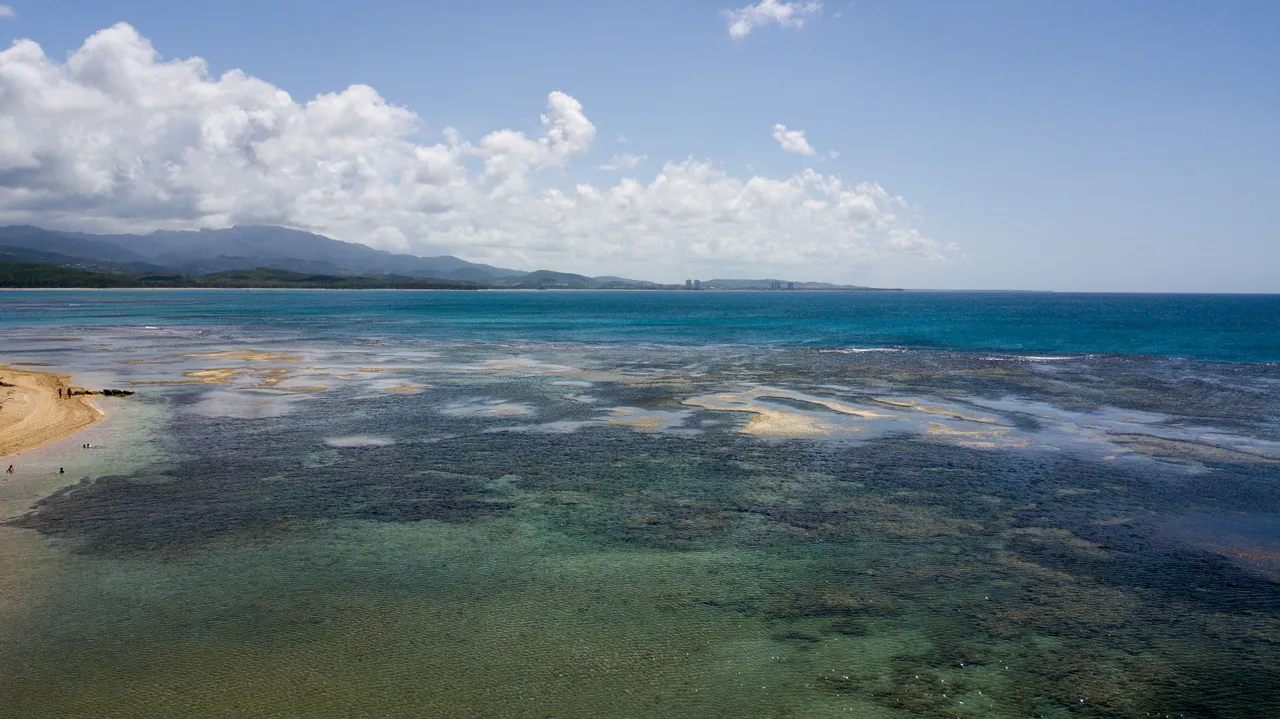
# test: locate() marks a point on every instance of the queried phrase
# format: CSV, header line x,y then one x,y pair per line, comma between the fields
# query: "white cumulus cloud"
x,y
509,154
118,139
7,12
624,161
792,141
770,12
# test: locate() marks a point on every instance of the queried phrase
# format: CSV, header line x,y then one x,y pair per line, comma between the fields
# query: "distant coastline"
x,y
24,276
153,288
264,257
32,276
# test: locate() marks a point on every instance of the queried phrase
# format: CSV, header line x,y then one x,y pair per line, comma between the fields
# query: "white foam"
x,y
1026,358
358,440
860,350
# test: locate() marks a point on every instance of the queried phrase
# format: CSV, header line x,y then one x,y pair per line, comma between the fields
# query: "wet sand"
x,y
32,415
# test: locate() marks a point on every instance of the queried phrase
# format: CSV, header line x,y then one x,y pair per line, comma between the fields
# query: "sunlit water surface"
x,y
396,521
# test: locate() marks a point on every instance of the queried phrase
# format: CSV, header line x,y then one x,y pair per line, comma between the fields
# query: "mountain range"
x,y
255,247
244,247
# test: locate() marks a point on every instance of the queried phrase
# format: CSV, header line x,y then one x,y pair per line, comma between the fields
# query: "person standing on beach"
x,y
59,393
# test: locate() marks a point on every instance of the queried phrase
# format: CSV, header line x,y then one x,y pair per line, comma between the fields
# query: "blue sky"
x,y
1084,145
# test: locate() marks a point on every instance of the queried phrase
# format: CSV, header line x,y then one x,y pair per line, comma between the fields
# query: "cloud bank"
x,y
117,139
770,12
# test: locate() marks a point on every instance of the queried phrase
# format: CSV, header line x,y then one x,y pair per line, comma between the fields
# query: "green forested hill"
x,y
24,275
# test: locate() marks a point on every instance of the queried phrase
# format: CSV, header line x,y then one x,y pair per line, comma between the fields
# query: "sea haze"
x,y
650,504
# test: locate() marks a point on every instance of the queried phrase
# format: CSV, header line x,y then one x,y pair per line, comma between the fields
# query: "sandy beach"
x,y
32,415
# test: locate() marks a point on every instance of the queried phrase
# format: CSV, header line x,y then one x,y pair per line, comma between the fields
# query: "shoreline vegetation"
x,y
32,414
23,276
265,257
27,276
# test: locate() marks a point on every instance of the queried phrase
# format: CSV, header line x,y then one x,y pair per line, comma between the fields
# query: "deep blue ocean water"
x,y
1239,328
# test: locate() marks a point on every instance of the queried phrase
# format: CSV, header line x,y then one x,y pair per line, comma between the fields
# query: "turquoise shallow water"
x,y
326,504
1243,328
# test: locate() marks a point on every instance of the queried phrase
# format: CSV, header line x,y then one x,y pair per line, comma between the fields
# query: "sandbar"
x,y
32,415
408,388
773,421
248,356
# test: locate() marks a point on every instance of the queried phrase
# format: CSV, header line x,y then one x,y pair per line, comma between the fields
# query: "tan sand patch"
x,y
830,404
933,409
248,356
978,438
772,421
626,416
272,377
217,375
269,377
409,388
648,424
768,421
31,413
